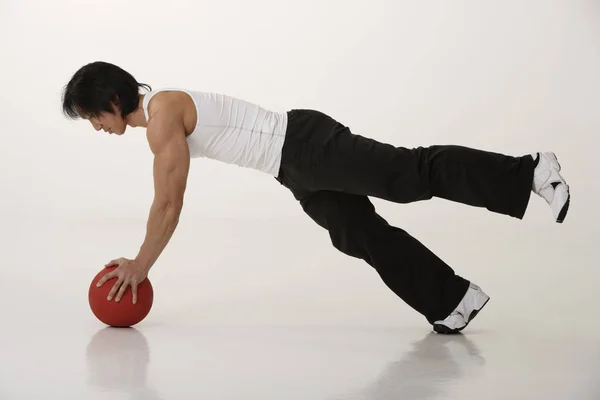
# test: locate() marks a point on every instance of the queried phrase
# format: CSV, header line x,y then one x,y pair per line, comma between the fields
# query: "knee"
x,y
351,221
348,241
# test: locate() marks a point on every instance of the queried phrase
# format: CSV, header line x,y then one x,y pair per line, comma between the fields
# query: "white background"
x,y
508,76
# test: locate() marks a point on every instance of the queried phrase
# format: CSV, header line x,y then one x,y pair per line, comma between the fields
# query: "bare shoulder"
x,y
165,106
165,120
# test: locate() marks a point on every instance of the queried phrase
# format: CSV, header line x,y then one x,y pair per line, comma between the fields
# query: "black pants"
x,y
332,171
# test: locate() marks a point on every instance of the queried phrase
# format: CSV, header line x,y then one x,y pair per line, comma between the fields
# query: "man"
x,y
328,169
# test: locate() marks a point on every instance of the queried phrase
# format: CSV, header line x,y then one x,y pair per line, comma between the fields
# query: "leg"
x,y
322,154
406,266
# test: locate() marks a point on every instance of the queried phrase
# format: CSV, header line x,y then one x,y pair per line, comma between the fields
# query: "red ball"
x,y
124,313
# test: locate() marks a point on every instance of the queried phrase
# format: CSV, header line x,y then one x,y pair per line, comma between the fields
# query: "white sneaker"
x,y
549,184
473,301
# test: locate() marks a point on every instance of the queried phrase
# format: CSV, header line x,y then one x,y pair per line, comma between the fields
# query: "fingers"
x,y
106,277
112,263
121,291
114,289
134,291
120,287
126,274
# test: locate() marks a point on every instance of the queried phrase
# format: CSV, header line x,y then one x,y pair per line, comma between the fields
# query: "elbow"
x,y
171,206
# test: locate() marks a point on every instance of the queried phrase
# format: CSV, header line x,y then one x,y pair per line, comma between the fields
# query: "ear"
x,y
116,106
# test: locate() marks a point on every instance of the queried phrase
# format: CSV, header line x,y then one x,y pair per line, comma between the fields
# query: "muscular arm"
x,y
167,141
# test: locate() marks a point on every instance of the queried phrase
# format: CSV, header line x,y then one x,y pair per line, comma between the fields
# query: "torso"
x,y
227,129
189,111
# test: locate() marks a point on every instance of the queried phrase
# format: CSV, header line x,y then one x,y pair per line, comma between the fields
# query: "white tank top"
x,y
234,131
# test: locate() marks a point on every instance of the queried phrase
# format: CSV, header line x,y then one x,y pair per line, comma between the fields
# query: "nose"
x,y
97,127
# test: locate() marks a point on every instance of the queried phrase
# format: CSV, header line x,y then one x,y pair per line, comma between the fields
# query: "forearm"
x,y
161,225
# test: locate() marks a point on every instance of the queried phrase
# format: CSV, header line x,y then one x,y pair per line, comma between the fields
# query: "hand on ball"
x,y
128,273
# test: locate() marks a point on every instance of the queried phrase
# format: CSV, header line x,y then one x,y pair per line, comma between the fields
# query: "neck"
x,y
137,118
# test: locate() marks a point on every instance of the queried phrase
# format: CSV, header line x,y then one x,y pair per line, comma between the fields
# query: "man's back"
x,y
228,129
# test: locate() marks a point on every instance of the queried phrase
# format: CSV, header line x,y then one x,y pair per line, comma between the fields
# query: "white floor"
x,y
219,362
269,310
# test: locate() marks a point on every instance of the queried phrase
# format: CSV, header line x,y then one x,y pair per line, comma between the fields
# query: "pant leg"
x,y
406,266
323,154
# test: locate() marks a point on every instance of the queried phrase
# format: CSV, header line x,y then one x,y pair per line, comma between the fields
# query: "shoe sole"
x,y
443,329
563,212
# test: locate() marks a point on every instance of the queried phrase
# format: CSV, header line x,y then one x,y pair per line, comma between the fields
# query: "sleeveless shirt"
x,y
234,131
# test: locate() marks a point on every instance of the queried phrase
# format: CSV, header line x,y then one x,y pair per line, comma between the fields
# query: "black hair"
x,y
94,86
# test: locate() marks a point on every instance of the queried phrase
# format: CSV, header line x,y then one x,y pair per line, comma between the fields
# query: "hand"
x,y
128,273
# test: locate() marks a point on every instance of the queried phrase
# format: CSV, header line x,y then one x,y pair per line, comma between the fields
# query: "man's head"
x,y
103,94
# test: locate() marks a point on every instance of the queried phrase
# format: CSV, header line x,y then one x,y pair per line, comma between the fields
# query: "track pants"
x,y
331,172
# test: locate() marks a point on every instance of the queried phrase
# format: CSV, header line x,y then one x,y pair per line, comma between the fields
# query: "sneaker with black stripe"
x,y
471,304
550,185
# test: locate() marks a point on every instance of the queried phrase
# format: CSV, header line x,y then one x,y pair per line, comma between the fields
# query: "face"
x,y
109,123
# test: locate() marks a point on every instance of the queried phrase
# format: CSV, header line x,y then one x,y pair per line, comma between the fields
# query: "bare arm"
x,y
166,137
